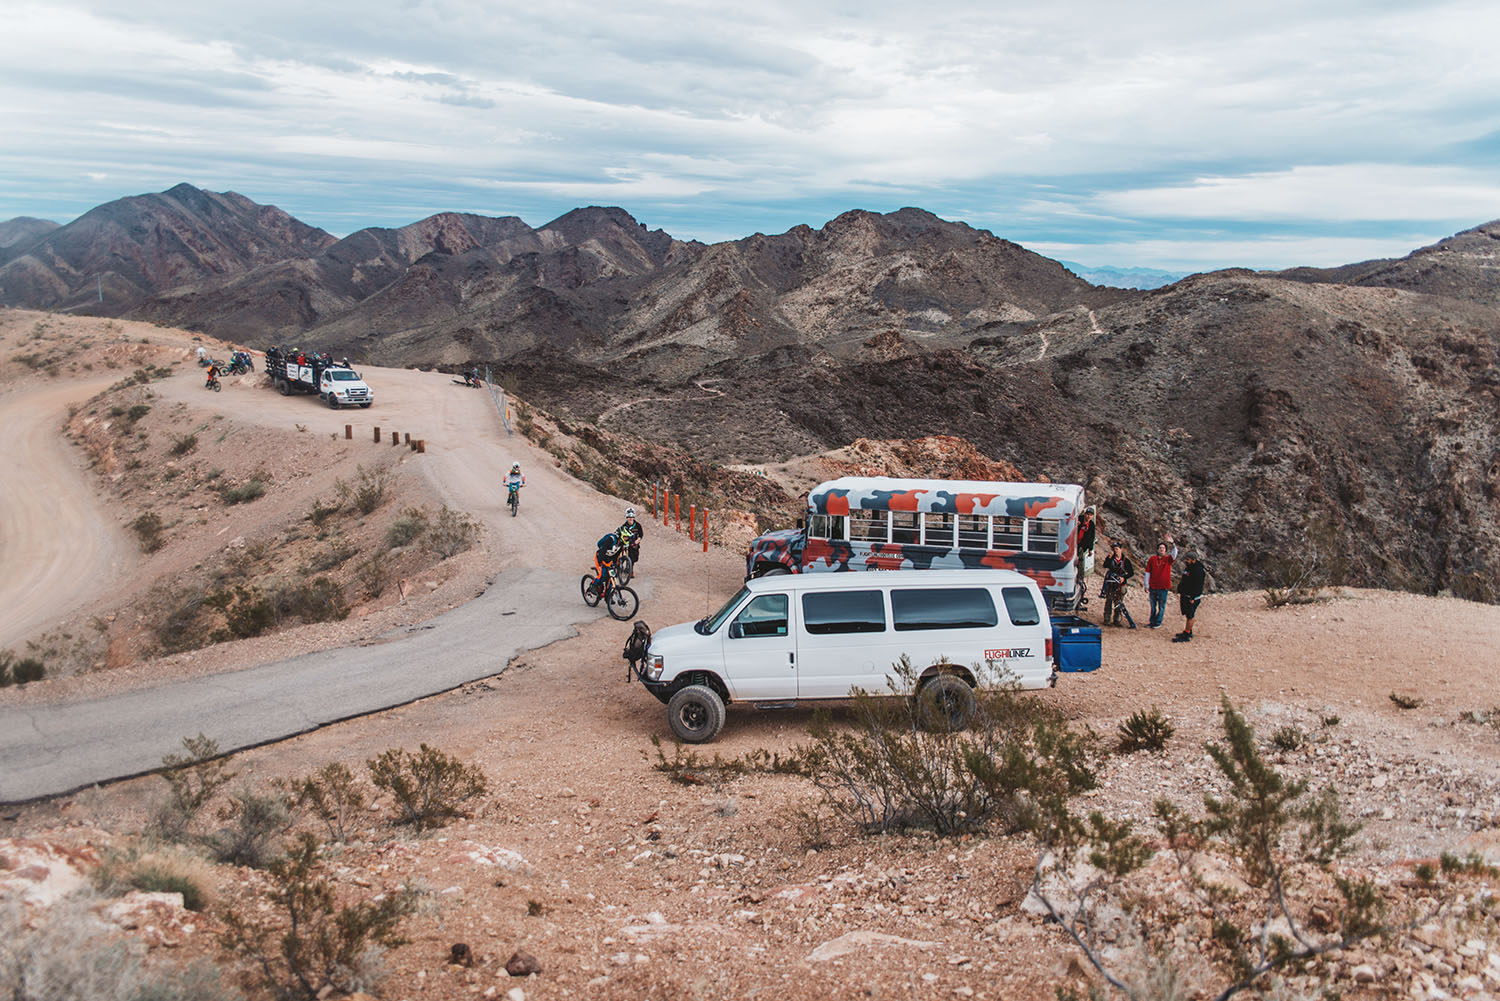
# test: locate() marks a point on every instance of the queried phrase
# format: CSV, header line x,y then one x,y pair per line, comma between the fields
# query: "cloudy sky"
x,y
1169,136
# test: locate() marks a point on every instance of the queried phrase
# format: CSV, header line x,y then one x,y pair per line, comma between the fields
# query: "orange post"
x,y
692,520
705,530
678,505
348,431
666,506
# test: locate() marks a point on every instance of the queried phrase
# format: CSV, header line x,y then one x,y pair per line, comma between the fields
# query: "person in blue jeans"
x,y
1159,582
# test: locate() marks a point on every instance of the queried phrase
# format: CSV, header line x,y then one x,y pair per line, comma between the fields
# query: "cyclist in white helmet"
x,y
630,535
514,480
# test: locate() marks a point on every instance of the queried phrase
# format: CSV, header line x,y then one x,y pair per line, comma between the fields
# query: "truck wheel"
x,y
945,704
283,387
333,402
696,714
365,405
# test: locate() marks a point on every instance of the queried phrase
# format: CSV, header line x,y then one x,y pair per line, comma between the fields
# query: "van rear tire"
x,y
774,572
695,714
945,704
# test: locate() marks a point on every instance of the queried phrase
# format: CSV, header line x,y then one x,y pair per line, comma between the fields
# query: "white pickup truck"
x,y
336,383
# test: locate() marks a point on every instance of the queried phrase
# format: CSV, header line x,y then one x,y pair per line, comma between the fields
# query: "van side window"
x,y
764,616
1020,606
828,612
904,527
973,531
868,526
937,529
1041,535
1008,533
943,608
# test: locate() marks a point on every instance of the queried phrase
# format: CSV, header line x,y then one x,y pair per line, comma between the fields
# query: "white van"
x,y
792,638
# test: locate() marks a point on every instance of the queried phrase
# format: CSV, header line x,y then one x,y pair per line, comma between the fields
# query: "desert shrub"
x,y
1405,701
256,820
148,528
1145,730
334,797
320,512
429,787
318,600
373,575
184,445
452,533
307,943
339,551
369,489
192,780
177,630
687,767
406,529
167,870
136,412
244,493
248,612
1288,738
890,772
20,670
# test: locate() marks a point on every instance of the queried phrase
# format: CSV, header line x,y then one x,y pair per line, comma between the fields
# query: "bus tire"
x,y
283,387
945,704
695,714
776,571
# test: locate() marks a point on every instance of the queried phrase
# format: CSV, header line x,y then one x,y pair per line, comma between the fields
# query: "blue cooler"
x,y
1075,643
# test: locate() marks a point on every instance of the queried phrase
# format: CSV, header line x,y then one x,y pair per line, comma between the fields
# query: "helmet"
x,y
630,512
515,467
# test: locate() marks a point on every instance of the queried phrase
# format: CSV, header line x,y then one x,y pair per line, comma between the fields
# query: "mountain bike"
x,y
619,601
514,500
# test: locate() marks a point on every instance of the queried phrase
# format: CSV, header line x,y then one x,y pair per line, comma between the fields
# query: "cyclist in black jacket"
x,y
1117,573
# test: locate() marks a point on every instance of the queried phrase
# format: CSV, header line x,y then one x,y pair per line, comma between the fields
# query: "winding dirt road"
x,y
59,549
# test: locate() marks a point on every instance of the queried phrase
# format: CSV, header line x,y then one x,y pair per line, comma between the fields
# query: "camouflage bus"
x,y
882,523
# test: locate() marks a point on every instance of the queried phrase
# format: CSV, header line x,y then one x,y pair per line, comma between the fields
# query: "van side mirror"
x,y
736,631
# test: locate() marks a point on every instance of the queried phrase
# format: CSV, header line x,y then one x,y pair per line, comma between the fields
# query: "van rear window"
x,y
1020,606
828,612
943,608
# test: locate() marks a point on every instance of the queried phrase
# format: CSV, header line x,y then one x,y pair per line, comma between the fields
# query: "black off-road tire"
x,y
283,387
590,588
623,603
776,571
695,714
333,402
945,704
365,405
626,569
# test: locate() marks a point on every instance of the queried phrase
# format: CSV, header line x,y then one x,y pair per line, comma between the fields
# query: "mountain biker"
x,y
514,481
630,535
606,555
213,375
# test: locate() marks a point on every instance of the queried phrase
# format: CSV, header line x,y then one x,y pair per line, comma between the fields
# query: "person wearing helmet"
x,y
606,555
514,481
630,534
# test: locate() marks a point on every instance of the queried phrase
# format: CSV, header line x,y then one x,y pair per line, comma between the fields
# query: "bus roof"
x,y
992,497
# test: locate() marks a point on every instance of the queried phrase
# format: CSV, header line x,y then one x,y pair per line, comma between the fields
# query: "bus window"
x,y
869,526
973,531
904,527
937,530
1041,535
1008,534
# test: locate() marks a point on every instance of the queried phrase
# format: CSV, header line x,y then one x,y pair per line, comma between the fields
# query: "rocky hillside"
x,y
134,247
1464,266
20,231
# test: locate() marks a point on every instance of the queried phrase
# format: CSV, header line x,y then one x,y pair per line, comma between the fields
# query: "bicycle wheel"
x,y
623,603
218,388
515,502
626,569
590,588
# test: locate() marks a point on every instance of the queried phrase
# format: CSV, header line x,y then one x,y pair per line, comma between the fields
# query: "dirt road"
x,y
58,548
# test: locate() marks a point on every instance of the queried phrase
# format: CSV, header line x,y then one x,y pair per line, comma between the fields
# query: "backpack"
x,y
636,647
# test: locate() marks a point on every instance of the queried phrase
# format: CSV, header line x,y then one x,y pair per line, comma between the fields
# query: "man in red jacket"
x,y
1159,583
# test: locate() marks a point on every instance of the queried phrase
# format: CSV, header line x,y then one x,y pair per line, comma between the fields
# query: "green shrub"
x,y
20,671
429,787
1288,738
369,490
318,600
406,529
257,820
138,411
148,528
184,445
1405,701
452,533
321,512
178,629
306,944
1145,730
373,575
157,877
192,780
339,551
244,493
334,797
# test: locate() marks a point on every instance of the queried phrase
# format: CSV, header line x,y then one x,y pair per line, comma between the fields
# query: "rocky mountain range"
x,y
1343,417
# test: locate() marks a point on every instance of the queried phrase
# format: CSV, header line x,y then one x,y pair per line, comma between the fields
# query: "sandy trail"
x,y
59,547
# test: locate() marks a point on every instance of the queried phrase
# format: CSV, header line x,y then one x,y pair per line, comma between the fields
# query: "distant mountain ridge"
x,y
1125,277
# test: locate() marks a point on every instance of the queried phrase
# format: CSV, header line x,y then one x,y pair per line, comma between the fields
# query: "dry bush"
x,y
1145,730
406,529
148,528
452,533
170,869
20,671
373,575
256,821
244,493
370,486
334,797
429,787
184,445
192,780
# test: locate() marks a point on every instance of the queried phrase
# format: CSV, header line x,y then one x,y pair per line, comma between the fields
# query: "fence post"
x,y
408,437
395,437
692,520
705,530
666,507
678,505
422,447
348,431
377,436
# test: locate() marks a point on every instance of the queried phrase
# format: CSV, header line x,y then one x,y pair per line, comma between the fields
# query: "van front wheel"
x,y
945,704
696,714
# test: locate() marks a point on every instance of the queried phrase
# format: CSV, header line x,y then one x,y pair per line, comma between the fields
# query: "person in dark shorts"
x,y
1190,594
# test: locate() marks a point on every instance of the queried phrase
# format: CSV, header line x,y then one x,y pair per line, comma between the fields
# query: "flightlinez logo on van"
x,y
1020,651
881,523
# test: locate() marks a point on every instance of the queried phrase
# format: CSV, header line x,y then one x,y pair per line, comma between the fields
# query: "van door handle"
x,y
791,659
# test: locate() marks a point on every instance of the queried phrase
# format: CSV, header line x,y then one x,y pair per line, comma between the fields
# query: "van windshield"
x,y
714,621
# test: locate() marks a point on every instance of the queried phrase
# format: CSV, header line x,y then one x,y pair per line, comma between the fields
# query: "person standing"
x,y
1158,582
1118,569
1190,594
1088,534
630,535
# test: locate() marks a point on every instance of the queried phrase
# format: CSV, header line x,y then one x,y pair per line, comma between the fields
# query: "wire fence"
x,y
502,406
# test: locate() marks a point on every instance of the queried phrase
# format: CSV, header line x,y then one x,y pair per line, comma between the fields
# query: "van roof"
x,y
955,496
856,580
